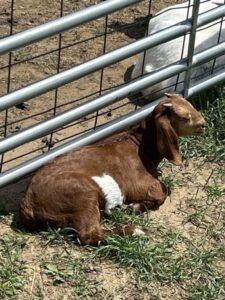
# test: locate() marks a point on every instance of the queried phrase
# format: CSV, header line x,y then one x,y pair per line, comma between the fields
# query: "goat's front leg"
x,y
87,224
156,194
94,235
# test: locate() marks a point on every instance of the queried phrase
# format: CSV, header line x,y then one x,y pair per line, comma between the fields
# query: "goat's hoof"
x,y
134,208
138,231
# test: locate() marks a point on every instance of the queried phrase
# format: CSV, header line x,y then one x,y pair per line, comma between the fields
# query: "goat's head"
x,y
174,117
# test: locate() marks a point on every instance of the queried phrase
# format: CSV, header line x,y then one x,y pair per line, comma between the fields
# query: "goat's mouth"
x,y
201,130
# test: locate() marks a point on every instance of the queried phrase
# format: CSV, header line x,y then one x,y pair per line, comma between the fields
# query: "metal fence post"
x,y
191,45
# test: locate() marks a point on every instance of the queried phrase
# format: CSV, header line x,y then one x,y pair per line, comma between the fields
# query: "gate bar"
x,y
93,136
59,25
87,138
69,116
210,81
74,114
93,65
62,78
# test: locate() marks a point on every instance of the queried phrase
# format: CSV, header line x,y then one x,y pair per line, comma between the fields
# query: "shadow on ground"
x,y
134,30
11,195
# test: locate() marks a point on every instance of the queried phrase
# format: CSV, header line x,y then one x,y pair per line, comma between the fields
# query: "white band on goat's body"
x,y
110,190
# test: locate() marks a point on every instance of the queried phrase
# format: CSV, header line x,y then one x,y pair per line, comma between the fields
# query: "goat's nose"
x,y
202,124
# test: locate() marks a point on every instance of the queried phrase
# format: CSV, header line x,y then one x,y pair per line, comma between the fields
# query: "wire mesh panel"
x,y
55,54
81,47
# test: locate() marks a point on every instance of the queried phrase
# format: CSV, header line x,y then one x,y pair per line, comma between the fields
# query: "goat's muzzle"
x,y
201,127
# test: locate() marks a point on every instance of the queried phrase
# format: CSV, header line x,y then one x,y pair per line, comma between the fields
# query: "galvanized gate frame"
x,y
42,31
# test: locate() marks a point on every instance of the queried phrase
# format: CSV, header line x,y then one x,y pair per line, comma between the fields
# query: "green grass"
x,y
210,145
64,269
11,266
162,262
123,216
192,268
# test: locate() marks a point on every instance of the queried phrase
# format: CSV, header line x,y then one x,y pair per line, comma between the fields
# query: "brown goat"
x,y
71,190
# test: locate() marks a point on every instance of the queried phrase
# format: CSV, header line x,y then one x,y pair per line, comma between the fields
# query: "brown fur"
x,y
62,194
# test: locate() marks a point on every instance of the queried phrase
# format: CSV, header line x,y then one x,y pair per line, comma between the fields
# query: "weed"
x,y
57,236
211,144
11,267
66,269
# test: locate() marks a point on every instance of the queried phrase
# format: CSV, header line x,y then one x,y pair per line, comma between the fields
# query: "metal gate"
x,y
104,98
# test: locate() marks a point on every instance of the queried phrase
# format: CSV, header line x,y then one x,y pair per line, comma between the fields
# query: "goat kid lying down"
x,y
74,188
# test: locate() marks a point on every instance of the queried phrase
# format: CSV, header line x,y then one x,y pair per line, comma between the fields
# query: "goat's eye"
x,y
185,118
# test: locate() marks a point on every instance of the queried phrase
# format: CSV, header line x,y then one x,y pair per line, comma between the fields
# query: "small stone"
x,y
44,150
23,106
44,140
94,269
18,127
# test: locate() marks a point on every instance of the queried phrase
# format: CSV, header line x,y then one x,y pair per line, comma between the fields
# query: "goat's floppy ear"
x,y
167,139
143,124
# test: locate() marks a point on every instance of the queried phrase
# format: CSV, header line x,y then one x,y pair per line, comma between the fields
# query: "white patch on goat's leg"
x,y
111,191
138,231
135,207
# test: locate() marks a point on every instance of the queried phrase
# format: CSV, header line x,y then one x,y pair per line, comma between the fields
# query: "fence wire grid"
x,y
60,52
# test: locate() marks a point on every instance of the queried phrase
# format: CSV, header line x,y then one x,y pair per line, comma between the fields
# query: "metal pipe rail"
x,y
76,72
87,138
91,66
93,136
59,25
72,115
210,16
98,63
210,81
